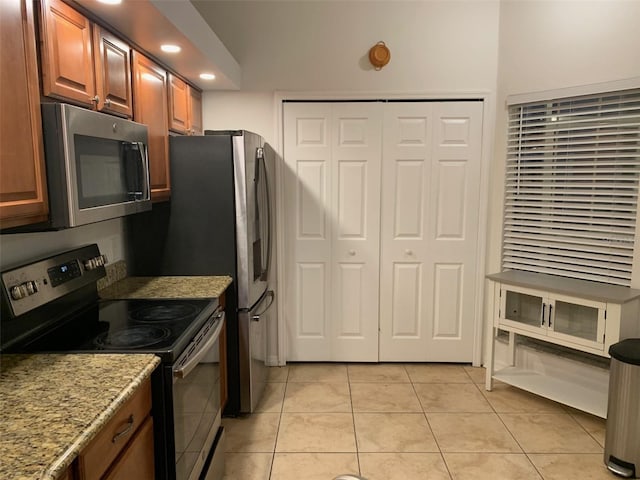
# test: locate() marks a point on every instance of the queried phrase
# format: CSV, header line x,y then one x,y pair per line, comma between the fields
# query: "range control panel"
x,y
32,285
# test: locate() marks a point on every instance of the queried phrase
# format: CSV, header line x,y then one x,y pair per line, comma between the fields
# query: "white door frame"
x,y
488,121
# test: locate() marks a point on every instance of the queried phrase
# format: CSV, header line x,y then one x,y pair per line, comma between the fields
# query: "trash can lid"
x,y
627,351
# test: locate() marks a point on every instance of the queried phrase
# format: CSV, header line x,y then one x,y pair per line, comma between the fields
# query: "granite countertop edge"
x,y
57,468
167,287
31,456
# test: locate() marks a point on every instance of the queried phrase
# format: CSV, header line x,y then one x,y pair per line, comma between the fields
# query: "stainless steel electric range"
x,y
52,305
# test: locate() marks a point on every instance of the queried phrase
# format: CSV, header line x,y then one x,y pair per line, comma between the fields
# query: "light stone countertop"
x,y
167,287
53,405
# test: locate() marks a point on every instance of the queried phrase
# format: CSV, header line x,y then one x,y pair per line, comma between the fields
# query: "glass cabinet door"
x,y
521,309
581,322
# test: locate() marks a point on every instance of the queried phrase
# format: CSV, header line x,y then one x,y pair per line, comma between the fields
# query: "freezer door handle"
x,y
269,294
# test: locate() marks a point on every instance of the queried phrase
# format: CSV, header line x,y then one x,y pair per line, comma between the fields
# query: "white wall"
x,y
546,45
321,46
24,247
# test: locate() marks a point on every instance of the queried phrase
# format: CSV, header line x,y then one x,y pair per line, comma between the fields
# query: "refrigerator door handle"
x,y
271,295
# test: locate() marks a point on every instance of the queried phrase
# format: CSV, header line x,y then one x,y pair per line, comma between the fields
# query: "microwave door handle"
x,y
144,163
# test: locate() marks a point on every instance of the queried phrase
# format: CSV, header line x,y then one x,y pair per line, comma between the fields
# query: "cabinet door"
x,y
577,321
195,111
523,309
23,197
113,72
178,105
150,108
67,58
136,461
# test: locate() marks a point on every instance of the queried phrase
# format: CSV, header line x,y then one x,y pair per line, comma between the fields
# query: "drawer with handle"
x,y
96,458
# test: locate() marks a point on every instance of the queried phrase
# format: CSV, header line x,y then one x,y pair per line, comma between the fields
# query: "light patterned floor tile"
x,y
571,466
490,466
247,466
393,432
478,374
451,397
278,374
437,373
471,432
254,433
377,373
384,397
317,397
403,466
549,433
312,466
316,432
507,399
272,398
318,372
595,426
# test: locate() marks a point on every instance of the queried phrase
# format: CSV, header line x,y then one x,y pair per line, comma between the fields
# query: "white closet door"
x,y
429,231
332,177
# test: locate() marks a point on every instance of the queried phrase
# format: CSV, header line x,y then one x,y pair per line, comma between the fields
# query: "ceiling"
x,y
151,23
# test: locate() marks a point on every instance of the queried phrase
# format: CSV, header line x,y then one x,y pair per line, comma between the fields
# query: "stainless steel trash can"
x,y
622,440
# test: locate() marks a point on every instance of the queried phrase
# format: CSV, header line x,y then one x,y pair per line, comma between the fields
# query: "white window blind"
x,y
571,194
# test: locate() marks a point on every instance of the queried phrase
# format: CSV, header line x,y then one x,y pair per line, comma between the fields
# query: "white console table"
x,y
581,315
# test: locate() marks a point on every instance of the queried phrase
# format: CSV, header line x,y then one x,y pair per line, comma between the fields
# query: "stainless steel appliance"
x,y
97,165
51,305
218,223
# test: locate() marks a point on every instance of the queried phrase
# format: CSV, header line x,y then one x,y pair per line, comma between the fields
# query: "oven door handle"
x,y
183,369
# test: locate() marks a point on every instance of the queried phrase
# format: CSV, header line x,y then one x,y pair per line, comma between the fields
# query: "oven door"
x,y
196,399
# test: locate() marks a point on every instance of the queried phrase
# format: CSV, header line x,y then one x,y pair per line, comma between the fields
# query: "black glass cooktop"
x,y
163,327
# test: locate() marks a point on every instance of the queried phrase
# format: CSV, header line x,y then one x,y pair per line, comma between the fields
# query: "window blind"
x,y
571,194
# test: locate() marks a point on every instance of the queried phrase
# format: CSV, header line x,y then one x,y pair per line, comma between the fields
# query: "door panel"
x,y
430,195
332,156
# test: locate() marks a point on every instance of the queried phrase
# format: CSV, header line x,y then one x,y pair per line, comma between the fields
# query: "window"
x,y
571,195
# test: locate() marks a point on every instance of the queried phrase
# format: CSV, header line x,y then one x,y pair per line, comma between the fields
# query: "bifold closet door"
x,y
429,230
332,155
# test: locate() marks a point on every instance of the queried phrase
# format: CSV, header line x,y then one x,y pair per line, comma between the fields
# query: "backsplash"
x,y
115,271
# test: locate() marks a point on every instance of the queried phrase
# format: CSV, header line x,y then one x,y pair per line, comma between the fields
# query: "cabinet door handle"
x,y
124,432
95,99
107,102
544,307
550,307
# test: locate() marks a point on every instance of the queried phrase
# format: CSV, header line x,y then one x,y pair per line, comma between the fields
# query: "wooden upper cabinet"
x,y
23,192
67,58
178,105
89,69
185,107
195,111
113,72
150,108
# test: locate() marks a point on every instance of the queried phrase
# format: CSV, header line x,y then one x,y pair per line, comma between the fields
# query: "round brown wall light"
x,y
379,55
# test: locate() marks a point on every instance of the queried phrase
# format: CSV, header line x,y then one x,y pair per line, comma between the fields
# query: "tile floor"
x,y
404,422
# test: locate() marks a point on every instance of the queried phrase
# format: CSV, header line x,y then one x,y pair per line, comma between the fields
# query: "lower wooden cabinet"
x,y
150,108
124,447
137,459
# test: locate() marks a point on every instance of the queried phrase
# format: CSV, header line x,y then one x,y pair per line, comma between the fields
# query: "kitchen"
x,y
436,48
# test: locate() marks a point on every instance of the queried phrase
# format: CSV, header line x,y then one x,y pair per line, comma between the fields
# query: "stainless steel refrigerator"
x,y
218,222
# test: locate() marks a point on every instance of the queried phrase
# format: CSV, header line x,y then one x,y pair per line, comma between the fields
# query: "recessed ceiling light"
x,y
111,2
170,48
207,76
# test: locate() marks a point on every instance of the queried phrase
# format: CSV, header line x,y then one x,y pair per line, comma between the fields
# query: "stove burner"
x,y
135,337
163,313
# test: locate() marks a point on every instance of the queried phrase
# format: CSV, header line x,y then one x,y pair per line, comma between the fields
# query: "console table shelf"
x,y
581,315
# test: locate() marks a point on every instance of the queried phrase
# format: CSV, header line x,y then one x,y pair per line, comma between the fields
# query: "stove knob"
x,y
31,286
90,264
16,292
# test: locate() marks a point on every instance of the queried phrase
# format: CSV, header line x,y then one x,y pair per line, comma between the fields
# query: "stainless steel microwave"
x,y
97,165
